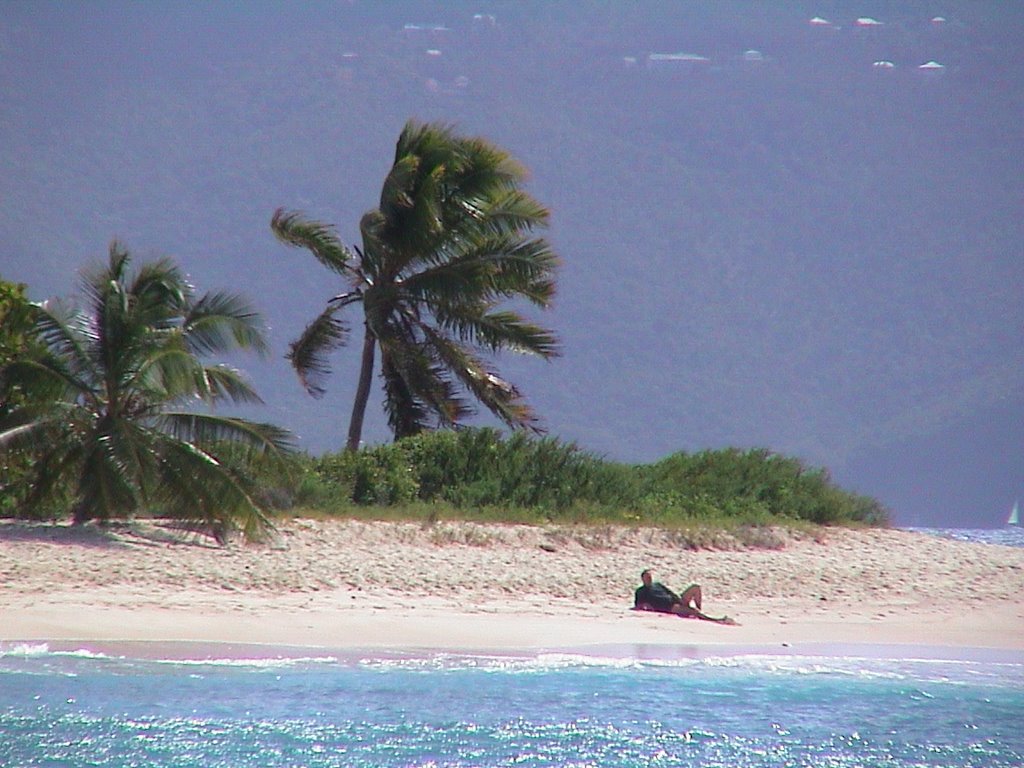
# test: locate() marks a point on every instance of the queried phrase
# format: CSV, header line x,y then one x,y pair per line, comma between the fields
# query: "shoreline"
x,y
195,651
352,586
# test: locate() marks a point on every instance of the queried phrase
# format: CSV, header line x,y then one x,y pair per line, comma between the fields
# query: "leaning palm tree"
x,y
108,419
452,238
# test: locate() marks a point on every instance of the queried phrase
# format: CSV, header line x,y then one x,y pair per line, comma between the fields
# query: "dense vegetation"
x,y
16,339
478,474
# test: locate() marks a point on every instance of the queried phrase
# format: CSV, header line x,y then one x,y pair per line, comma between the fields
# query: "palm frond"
x,y
14,437
486,193
131,446
226,383
205,429
293,228
174,375
56,467
436,143
105,489
498,266
97,279
167,375
493,164
197,490
417,386
407,415
510,211
67,336
375,258
396,196
33,426
503,330
411,206
309,353
526,270
222,321
42,379
161,293
499,396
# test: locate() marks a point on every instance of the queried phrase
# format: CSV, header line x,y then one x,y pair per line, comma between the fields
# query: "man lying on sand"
x,y
655,596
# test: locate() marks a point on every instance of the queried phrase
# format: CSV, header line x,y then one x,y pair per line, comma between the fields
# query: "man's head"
x,y
646,577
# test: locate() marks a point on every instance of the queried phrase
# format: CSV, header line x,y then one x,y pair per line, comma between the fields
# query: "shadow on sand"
x,y
149,534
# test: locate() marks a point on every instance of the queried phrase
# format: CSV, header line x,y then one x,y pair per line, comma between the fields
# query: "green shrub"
x,y
377,475
479,474
471,468
761,483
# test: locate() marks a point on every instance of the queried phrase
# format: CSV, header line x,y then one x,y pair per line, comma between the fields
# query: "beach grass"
x,y
600,529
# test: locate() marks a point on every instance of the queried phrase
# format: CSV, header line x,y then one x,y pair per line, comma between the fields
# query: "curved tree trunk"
x,y
355,425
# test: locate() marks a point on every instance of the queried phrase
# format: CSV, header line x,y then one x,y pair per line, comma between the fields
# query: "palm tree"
x,y
451,239
105,421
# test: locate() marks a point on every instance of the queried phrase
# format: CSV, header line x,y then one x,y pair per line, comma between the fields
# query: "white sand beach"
x,y
386,585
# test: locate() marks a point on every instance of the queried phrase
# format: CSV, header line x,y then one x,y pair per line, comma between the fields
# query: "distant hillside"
x,y
767,240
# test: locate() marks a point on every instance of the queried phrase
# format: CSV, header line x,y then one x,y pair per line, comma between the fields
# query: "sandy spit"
x,y
357,584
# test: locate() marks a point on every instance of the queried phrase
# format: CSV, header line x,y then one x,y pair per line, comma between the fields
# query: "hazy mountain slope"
x,y
794,249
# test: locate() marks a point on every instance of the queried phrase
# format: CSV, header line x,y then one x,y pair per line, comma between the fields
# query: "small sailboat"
x,y
1014,518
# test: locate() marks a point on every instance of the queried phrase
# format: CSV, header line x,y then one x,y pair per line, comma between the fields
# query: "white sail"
x,y
1014,518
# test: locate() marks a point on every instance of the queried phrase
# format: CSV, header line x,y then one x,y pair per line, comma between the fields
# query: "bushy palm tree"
x,y
110,421
452,238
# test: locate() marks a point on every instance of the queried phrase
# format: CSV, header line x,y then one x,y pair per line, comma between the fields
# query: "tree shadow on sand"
x,y
111,535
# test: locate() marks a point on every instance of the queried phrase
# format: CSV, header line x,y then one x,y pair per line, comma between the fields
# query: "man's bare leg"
x,y
692,613
691,596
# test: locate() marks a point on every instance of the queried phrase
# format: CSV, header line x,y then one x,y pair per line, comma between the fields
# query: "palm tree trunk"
x,y
355,425
80,514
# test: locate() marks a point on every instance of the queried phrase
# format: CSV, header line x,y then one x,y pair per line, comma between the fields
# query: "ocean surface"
x,y
78,707
1009,536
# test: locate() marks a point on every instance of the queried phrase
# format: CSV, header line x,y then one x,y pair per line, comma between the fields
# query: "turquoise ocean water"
x,y
82,708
